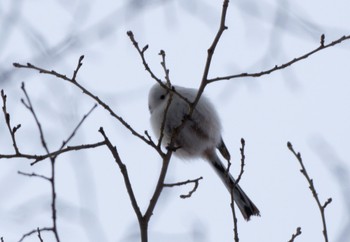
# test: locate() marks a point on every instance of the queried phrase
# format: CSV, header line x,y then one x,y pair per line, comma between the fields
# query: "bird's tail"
x,y
245,205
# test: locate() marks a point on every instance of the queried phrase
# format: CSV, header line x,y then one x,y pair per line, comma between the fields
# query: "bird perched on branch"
x,y
199,137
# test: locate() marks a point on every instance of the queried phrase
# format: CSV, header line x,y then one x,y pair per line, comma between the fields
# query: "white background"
x,y
307,104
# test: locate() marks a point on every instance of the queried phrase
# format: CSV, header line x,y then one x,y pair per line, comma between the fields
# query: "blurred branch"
x,y
195,181
285,65
313,190
297,233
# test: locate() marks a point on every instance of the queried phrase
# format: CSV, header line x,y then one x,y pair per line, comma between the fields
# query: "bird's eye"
x,y
162,97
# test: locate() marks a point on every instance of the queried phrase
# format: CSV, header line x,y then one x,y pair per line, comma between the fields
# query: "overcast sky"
x,y
306,104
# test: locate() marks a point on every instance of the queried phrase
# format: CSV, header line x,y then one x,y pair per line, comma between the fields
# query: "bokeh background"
x,y
307,104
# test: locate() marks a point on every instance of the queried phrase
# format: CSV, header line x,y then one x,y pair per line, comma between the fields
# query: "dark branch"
x,y
8,122
242,161
29,106
195,181
124,172
38,158
80,63
285,65
39,235
64,143
33,232
166,70
34,175
142,55
313,190
88,93
297,233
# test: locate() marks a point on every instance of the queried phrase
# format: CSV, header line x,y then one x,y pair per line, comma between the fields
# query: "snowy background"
x,y
307,104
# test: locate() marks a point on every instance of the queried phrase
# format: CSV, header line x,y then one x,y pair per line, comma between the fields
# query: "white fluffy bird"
x,y
199,137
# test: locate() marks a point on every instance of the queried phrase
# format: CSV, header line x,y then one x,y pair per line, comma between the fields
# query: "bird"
x,y
199,137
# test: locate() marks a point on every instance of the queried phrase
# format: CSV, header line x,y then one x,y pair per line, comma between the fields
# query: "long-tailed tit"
x,y
199,137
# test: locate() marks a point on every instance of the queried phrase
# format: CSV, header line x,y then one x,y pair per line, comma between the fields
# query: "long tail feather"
x,y
245,205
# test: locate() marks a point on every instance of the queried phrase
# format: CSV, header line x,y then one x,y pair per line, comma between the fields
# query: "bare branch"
x,y
212,48
297,233
29,106
234,217
285,65
124,172
195,181
242,161
39,235
38,158
166,70
313,190
8,122
162,127
33,232
80,63
88,93
142,55
78,126
34,175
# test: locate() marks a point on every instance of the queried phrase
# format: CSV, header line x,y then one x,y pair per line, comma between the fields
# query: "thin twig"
x,y
287,64
33,232
167,85
29,106
195,181
166,70
38,158
124,172
39,235
88,93
77,127
142,55
162,126
297,233
242,161
234,217
8,122
211,50
80,63
313,190
34,175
